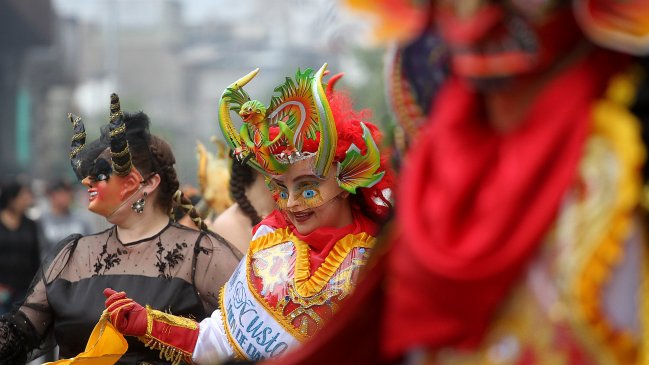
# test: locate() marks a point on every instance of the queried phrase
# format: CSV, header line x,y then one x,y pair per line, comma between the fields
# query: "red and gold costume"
x,y
287,287
321,161
290,284
520,245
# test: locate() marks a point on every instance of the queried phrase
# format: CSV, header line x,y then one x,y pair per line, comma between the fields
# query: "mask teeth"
x,y
119,150
78,142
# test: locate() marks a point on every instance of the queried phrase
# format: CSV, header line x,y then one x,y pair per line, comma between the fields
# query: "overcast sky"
x,y
193,11
148,10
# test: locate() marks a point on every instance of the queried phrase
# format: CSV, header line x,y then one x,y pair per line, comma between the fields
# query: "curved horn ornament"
x,y
232,98
299,115
326,125
77,144
119,151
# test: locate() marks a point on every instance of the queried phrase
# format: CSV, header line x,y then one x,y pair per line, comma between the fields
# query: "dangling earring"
x,y
138,206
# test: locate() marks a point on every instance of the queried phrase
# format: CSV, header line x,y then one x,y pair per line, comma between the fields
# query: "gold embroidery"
x,y
560,301
170,319
265,264
238,353
168,351
305,290
306,284
601,247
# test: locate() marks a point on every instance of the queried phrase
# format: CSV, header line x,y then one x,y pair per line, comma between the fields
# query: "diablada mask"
x,y
297,125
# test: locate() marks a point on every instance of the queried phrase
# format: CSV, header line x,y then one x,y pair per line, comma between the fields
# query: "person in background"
x,y
132,183
236,194
520,236
59,219
19,243
331,185
253,202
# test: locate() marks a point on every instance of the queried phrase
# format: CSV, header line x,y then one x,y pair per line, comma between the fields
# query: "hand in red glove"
x,y
125,314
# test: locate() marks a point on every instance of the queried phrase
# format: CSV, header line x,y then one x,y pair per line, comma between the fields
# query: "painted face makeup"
x,y
307,193
308,201
104,188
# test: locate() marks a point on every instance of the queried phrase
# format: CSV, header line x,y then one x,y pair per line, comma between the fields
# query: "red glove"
x,y
128,317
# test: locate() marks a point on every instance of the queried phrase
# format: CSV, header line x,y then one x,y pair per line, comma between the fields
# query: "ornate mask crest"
x,y
298,119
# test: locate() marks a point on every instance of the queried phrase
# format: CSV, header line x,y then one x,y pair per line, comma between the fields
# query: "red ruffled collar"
x,y
323,239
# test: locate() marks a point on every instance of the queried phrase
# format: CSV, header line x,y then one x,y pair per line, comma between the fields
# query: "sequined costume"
x,y
575,296
328,178
275,299
521,243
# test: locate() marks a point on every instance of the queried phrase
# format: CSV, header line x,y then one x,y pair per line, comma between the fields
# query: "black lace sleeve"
x,y
17,338
214,261
23,330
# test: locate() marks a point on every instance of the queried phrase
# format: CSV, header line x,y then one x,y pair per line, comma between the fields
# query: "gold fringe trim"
x,y
167,352
614,122
408,112
306,285
238,353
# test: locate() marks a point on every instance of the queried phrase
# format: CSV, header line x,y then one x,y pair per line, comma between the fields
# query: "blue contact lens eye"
x,y
308,193
283,195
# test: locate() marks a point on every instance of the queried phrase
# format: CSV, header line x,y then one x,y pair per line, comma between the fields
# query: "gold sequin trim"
x,y
306,285
621,130
121,153
169,352
238,353
118,130
76,151
122,170
115,115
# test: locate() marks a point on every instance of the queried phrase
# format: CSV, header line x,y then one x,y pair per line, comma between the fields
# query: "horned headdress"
x,y
120,154
82,156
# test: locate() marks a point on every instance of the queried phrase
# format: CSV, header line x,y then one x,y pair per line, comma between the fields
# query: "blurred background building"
x,y
169,58
25,26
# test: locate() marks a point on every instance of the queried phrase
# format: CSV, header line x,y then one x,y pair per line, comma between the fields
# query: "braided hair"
x,y
169,185
242,176
151,154
186,204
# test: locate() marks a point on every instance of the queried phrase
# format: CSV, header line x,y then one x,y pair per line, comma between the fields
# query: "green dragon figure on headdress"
x,y
300,112
299,117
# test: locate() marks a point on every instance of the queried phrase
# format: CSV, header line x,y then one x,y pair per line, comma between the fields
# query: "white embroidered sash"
x,y
251,329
